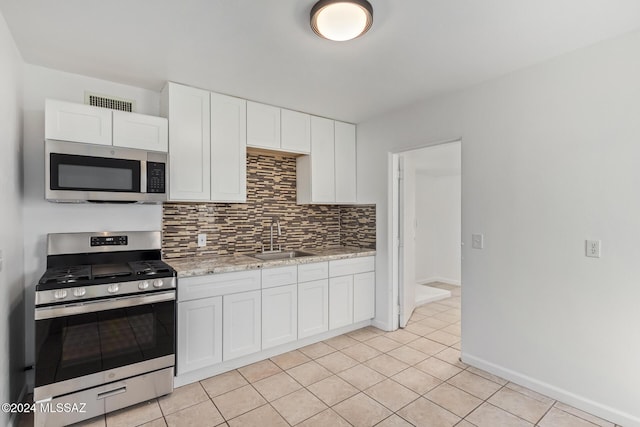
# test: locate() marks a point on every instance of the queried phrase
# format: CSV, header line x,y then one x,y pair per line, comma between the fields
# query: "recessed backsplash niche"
x,y
244,227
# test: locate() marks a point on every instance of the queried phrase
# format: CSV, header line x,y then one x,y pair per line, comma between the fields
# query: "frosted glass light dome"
x,y
341,20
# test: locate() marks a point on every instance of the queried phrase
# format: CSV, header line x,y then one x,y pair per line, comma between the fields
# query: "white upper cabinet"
x,y
278,129
67,121
263,126
296,132
189,116
140,131
228,149
316,173
345,162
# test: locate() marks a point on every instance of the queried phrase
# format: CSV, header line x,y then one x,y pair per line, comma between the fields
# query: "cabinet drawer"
x,y
315,271
190,288
279,276
342,267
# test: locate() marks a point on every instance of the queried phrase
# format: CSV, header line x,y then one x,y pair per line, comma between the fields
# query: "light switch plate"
x,y
1,260
477,241
202,240
592,248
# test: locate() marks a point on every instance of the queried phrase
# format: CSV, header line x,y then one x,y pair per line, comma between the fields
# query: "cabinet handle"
x,y
113,392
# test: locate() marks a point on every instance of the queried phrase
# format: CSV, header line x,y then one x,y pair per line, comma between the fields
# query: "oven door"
x,y
87,344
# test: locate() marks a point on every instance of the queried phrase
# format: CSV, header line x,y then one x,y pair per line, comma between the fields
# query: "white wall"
x,y
42,217
438,217
11,277
550,158
438,214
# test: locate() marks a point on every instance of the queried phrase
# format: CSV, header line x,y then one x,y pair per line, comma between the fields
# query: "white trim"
x,y
435,294
394,301
380,325
603,411
446,280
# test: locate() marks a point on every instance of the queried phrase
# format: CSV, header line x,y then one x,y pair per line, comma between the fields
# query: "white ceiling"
x,y
264,49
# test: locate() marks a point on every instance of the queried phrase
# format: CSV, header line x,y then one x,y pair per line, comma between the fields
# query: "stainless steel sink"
x,y
270,256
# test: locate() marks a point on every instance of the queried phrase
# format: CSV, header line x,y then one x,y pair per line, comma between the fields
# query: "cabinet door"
x,y
295,132
140,131
345,161
364,296
322,161
228,149
189,143
67,121
263,126
279,315
340,301
199,334
313,308
241,324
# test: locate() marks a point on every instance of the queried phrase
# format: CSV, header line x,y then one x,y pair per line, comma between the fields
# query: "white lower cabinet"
x,y
199,334
227,316
340,301
364,296
313,308
279,315
241,334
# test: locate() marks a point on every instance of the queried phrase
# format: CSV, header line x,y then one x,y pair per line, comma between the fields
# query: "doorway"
x,y
426,219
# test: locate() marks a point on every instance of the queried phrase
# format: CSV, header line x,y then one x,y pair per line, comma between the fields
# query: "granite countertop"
x,y
201,266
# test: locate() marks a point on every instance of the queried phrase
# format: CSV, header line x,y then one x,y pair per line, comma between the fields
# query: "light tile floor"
x,y
367,377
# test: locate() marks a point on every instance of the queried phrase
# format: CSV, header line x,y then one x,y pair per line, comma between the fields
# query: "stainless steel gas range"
x,y
105,325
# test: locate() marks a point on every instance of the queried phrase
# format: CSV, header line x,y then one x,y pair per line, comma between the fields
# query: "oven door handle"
x,y
102,305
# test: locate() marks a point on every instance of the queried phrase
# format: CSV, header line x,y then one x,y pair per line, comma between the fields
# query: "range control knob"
x,y
60,294
79,292
112,289
158,283
143,285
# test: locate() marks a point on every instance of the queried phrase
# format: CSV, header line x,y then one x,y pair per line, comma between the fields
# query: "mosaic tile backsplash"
x,y
244,227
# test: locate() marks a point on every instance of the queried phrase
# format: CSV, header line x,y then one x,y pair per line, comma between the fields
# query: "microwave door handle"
x,y
143,176
42,313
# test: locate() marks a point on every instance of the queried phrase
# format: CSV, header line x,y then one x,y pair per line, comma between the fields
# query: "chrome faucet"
x,y
274,221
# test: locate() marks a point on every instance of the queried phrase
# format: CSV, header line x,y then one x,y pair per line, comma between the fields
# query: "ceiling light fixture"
x,y
341,20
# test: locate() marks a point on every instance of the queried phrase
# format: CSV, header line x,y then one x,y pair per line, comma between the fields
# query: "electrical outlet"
x,y
477,241
593,248
202,240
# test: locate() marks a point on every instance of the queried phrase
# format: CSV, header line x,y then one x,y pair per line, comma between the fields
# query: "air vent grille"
x,y
110,102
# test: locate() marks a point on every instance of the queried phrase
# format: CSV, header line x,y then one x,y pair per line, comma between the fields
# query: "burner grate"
x,y
149,268
69,274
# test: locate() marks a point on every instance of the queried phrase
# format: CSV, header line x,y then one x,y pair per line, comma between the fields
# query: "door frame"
x,y
393,245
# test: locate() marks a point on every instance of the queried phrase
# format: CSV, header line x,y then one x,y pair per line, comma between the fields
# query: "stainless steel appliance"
x,y
76,172
105,325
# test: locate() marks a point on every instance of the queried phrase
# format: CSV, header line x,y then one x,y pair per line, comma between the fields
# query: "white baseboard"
x,y
380,325
446,280
425,295
449,281
603,411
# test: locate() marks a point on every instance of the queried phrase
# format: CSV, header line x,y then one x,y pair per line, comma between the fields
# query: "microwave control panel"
x,y
156,174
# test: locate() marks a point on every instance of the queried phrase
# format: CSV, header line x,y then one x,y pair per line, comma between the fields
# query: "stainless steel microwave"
x,y
76,172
